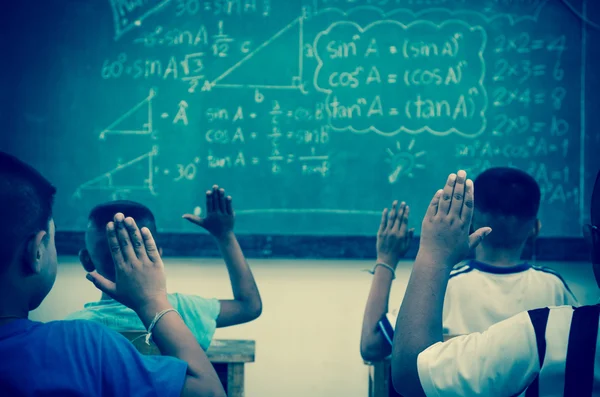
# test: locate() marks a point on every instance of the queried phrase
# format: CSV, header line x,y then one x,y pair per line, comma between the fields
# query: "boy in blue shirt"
x,y
201,315
82,358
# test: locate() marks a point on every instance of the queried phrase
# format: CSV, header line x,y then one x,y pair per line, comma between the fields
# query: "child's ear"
x,y
86,261
535,231
33,255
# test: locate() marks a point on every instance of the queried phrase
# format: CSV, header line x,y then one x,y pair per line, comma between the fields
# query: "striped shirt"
x,y
542,352
480,295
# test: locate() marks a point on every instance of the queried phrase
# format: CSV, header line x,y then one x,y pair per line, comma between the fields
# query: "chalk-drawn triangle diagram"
x,y
107,181
266,58
135,121
129,15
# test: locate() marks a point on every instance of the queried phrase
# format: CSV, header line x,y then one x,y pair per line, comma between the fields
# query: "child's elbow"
x,y
371,352
254,310
405,377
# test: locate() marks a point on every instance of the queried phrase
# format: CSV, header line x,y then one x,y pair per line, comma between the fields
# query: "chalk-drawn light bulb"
x,y
402,163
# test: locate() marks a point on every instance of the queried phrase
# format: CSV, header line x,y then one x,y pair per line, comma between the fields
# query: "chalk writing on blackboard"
x,y
365,92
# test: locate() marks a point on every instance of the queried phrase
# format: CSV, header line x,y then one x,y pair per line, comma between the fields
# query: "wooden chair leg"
x,y
380,379
235,380
371,383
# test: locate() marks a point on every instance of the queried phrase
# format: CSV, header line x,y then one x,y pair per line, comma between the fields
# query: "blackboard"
x,y
313,114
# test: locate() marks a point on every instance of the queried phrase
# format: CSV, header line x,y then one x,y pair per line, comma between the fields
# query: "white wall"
x,y
307,339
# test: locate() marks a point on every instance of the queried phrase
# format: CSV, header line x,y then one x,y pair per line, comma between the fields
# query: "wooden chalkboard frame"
x,y
316,247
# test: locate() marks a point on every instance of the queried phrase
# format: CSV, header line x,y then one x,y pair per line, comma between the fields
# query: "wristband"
x,y
383,265
156,319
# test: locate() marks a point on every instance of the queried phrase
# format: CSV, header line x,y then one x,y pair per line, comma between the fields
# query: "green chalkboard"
x,y
313,114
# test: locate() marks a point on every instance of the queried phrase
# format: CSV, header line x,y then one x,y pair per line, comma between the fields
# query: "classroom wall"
x,y
307,339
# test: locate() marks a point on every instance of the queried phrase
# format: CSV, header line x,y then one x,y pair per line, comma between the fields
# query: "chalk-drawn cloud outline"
x,y
405,27
513,19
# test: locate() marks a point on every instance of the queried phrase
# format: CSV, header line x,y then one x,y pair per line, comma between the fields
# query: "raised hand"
x,y
220,218
445,231
139,271
394,237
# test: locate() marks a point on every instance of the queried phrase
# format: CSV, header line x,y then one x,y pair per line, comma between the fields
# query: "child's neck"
x,y
498,258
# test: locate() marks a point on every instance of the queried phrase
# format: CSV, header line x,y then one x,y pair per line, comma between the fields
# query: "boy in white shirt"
x,y
491,288
543,352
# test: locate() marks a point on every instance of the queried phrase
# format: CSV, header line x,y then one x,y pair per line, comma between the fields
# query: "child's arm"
x,y
444,242
246,305
393,240
140,284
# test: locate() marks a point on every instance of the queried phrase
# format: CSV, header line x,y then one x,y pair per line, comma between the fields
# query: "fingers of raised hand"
x,y
458,196
124,238
210,207
113,245
446,199
215,197
402,224
136,239
384,221
222,201
103,284
229,203
469,205
478,236
196,220
151,247
399,217
392,216
433,208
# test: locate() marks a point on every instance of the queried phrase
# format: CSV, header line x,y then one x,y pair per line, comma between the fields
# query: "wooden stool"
x,y
227,356
380,376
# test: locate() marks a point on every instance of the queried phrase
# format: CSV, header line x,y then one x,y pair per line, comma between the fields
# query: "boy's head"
x,y
96,255
28,259
508,201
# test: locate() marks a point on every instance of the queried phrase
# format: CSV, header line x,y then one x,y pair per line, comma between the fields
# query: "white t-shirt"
x,y
480,295
544,352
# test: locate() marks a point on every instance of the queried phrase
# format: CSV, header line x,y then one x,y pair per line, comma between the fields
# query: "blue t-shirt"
x,y
80,358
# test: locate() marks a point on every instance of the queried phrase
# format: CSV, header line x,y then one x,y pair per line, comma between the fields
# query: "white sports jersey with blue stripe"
x,y
480,295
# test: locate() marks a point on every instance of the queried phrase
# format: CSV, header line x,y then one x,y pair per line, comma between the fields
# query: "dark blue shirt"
x,y
80,358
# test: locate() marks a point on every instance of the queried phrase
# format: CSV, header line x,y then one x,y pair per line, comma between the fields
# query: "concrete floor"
x,y
307,339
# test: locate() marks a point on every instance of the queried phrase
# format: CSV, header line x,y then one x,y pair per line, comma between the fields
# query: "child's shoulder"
x,y
460,269
188,303
549,274
76,331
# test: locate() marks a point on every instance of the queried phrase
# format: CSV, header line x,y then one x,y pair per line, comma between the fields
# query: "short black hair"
x,y
508,201
26,200
104,213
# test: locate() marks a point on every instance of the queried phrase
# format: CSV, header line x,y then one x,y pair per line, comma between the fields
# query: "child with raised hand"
x,y
546,351
492,287
393,241
202,315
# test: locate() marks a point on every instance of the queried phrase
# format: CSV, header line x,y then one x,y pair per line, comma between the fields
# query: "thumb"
x,y
478,236
103,284
196,220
